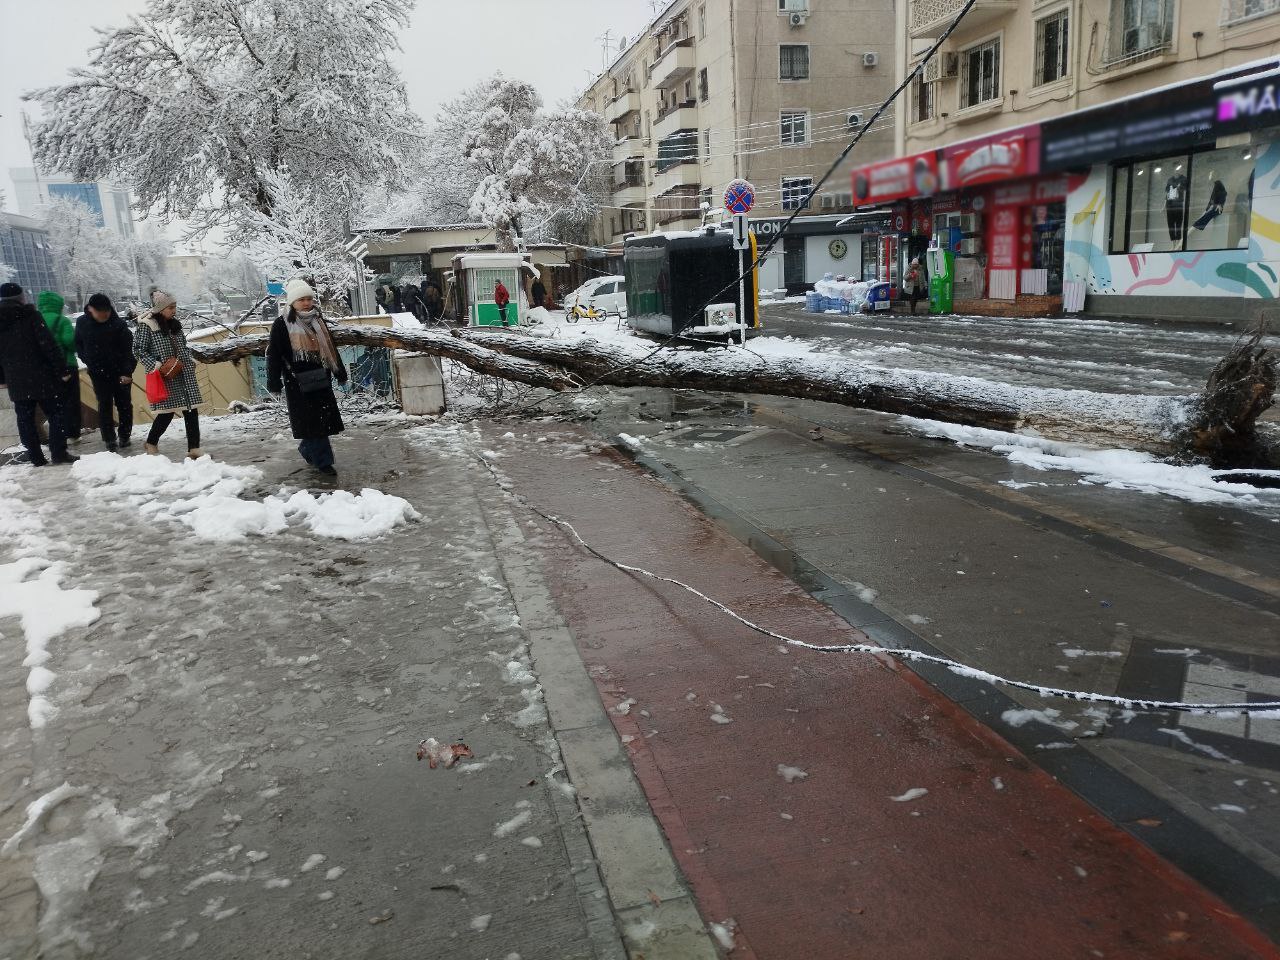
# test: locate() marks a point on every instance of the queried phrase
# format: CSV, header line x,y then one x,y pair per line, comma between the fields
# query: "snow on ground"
x,y
1116,469
208,497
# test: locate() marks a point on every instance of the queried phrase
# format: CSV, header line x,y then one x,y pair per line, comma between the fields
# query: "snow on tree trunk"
x,y
1171,425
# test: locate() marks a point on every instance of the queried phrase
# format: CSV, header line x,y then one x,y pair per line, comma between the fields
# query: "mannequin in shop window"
x,y
1175,204
1217,200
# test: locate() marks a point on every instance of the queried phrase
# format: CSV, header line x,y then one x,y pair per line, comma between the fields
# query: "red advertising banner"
x,y
913,176
1002,238
1002,157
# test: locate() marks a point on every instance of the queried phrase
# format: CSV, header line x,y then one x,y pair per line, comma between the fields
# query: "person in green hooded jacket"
x,y
64,335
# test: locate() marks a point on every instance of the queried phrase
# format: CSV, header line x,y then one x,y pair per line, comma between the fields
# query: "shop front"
x,y
986,201
1173,204
813,247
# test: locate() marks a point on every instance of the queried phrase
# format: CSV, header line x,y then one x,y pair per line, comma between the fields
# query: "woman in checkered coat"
x,y
161,344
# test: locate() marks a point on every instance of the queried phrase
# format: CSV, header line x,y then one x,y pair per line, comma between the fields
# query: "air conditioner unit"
x,y
950,66
854,121
798,19
932,71
870,59
827,201
844,199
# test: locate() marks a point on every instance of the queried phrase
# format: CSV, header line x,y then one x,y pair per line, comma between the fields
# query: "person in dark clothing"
x,y
501,297
35,371
303,361
105,344
412,303
538,292
434,303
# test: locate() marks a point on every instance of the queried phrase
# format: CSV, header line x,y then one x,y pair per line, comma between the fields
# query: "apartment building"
x,y
1115,152
766,90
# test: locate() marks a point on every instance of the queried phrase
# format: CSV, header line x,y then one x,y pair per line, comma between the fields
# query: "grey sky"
x,y
550,43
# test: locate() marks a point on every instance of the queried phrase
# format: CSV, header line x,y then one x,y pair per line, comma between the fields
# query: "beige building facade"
x,y
1113,156
765,90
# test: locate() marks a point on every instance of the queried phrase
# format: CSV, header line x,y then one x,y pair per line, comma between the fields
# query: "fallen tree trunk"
x,y
474,356
1219,426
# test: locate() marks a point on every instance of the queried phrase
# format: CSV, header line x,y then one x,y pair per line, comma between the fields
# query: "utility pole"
x,y
606,43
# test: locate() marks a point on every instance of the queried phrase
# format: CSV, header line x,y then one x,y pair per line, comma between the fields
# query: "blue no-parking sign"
x,y
739,197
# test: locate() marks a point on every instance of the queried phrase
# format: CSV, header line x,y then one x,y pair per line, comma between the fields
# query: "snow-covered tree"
x,y
234,275
149,251
497,156
91,258
198,104
301,236
6,271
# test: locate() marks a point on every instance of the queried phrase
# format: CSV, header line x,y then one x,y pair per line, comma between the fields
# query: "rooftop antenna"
x,y
606,44
656,5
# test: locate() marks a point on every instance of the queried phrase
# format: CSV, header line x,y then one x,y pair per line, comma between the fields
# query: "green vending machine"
x,y
942,279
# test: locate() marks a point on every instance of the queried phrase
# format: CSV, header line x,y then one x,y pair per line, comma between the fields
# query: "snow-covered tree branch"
x,y
92,258
206,106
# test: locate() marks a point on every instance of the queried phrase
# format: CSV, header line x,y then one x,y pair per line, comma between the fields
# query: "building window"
x,y
795,128
795,190
706,145
644,73
1051,48
1238,11
793,61
1140,29
1201,201
702,22
922,99
793,6
704,85
980,73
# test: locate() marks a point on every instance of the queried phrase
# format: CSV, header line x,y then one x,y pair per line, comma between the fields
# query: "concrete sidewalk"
x,y
238,731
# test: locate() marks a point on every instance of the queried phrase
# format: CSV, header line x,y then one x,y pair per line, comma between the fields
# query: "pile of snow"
x,y
1117,469
211,504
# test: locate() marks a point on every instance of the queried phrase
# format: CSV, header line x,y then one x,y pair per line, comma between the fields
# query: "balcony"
x,y
628,148
621,109
630,195
1236,12
929,18
688,174
676,64
677,207
683,116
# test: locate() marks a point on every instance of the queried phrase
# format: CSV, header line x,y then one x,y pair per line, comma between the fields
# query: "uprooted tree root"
x,y
1218,427
1224,420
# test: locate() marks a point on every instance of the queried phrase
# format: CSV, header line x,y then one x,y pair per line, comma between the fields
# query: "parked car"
x,y
607,295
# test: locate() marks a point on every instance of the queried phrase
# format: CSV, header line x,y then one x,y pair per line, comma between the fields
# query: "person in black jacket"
x,y
35,371
303,361
105,344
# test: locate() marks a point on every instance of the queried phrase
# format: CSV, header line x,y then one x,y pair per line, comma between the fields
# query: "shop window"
x,y
1199,202
793,61
980,74
922,93
795,190
795,128
1051,48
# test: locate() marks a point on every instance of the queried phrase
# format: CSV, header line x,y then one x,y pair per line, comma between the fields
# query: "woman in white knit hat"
x,y
161,344
303,361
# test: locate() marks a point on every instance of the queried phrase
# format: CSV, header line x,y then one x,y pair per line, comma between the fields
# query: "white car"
x,y
605,294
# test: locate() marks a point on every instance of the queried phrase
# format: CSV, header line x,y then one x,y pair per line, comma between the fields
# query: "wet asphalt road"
x,y
1075,352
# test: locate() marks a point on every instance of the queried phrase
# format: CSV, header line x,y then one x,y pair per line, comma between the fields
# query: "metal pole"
x,y
742,295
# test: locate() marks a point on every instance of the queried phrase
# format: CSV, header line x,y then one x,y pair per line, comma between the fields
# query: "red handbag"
x,y
157,389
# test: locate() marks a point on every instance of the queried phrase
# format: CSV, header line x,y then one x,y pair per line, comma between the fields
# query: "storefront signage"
x,y
1248,104
1007,158
895,179
1167,122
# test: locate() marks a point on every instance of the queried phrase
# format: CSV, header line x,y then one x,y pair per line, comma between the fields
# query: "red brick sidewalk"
x,y
996,861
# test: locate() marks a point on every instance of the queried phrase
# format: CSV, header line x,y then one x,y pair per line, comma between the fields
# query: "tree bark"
x,y
1219,427
471,355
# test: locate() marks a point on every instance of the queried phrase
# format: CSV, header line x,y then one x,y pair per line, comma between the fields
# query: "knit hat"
x,y
99,301
10,291
296,289
161,300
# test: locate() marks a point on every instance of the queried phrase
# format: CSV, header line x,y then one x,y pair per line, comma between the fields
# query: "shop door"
x,y
793,263
1049,253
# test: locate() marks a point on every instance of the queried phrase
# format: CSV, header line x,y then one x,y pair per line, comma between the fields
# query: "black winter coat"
x,y
31,364
311,415
105,348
